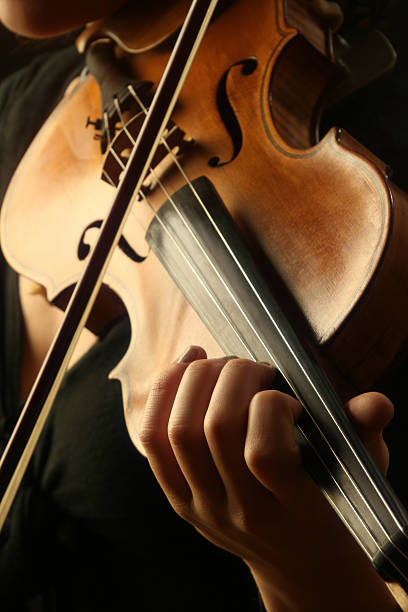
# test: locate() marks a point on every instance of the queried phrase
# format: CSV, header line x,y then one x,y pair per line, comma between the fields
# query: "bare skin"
x,y
46,18
38,19
220,441
221,445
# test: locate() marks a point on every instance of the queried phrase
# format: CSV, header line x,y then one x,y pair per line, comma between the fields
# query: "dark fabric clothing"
x,y
27,98
90,529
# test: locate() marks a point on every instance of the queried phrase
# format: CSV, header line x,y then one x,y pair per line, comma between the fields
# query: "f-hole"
x,y
227,113
124,246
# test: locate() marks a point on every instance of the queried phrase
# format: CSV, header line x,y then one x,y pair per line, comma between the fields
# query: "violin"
x,y
245,231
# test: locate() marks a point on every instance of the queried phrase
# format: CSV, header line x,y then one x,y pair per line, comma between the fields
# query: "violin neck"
x,y
202,250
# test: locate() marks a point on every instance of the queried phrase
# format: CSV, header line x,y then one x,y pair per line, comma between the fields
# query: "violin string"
x,y
181,216
199,200
197,274
201,280
295,357
177,68
107,127
108,178
335,480
111,149
189,229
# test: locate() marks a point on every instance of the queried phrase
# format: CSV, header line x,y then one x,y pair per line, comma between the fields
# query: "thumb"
x,y
370,413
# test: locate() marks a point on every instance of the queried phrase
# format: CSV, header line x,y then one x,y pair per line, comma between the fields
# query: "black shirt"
x,y
90,528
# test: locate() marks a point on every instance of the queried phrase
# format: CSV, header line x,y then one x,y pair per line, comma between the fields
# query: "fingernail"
x,y
190,354
267,363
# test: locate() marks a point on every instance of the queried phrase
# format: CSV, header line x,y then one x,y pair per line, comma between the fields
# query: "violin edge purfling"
x,y
261,88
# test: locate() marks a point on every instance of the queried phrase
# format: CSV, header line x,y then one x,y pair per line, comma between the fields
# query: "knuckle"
x,y
200,513
210,514
238,366
180,434
270,398
259,459
217,427
199,368
242,369
278,405
273,463
183,508
244,518
150,438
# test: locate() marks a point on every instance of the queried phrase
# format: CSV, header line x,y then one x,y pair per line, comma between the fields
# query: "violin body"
x,y
321,217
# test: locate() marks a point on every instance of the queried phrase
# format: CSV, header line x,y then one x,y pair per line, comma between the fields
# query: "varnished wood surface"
x,y
277,192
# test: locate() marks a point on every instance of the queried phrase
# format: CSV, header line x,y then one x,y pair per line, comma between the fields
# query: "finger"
x,y
370,413
136,420
153,430
226,421
186,430
192,353
271,451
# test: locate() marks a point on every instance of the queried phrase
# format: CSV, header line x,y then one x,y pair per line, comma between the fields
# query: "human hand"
x,y
220,442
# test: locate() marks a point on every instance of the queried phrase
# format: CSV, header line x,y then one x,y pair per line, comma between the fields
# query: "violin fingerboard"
x,y
198,243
